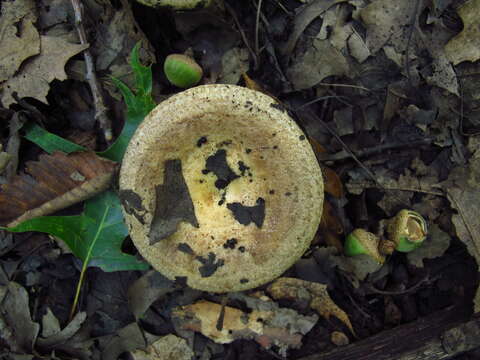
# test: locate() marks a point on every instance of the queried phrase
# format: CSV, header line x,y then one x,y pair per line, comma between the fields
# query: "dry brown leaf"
x,y
19,39
321,60
466,45
330,229
305,16
54,182
35,76
279,326
320,301
387,21
466,202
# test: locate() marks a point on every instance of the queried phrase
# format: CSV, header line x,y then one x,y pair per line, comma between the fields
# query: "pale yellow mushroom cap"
x,y
230,183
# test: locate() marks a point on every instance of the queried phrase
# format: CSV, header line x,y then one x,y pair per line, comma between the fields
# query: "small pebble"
x,y
339,338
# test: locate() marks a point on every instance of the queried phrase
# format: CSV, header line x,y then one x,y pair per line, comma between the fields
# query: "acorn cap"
x,y
221,189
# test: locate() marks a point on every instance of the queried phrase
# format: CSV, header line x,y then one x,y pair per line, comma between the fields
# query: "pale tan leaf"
x,y
273,325
320,301
35,76
466,45
19,39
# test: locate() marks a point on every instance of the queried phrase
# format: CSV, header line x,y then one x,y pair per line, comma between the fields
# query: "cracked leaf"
x,y
19,38
35,76
276,325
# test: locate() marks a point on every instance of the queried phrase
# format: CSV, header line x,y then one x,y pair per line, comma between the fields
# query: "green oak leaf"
x,y
95,236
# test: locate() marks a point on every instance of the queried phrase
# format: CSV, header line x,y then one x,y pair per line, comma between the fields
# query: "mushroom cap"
x,y
221,188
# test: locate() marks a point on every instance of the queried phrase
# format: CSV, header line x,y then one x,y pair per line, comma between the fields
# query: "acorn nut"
x,y
360,241
182,71
408,230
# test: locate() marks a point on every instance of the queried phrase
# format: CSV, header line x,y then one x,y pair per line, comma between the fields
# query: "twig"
x,y
347,149
410,35
346,85
100,109
342,155
426,280
242,34
319,99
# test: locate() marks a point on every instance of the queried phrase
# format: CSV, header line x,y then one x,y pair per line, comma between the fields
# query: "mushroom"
x,y
220,188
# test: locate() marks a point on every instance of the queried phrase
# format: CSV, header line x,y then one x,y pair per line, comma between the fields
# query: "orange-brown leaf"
x,y
54,182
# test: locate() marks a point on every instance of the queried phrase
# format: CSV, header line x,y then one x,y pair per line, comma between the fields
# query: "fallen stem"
x,y
101,115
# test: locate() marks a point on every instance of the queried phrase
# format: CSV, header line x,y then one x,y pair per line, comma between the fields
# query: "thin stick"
x,y
98,103
257,25
242,34
346,85
409,40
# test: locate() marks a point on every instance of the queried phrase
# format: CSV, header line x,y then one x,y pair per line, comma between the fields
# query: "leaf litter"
x,y
411,149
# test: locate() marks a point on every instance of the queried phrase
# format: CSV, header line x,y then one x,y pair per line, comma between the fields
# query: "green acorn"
x,y
360,241
182,71
408,230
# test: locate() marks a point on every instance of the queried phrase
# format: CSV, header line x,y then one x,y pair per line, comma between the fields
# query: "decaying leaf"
x,y
147,289
304,17
35,76
19,39
434,246
466,45
64,335
272,326
53,183
234,63
315,293
319,61
387,21
19,331
129,338
169,347
467,226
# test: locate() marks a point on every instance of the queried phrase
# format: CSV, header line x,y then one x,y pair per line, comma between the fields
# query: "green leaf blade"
x,y
48,141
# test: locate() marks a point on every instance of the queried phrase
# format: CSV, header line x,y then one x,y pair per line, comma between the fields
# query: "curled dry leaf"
x,y
268,327
16,325
315,293
54,182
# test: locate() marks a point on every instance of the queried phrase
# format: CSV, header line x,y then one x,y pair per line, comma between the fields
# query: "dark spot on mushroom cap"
x,y
201,141
275,147
271,192
184,247
302,137
288,193
243,168
248,151
217,164
230,243
209,265
243,281
278,106
248,214
173,203
241,249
